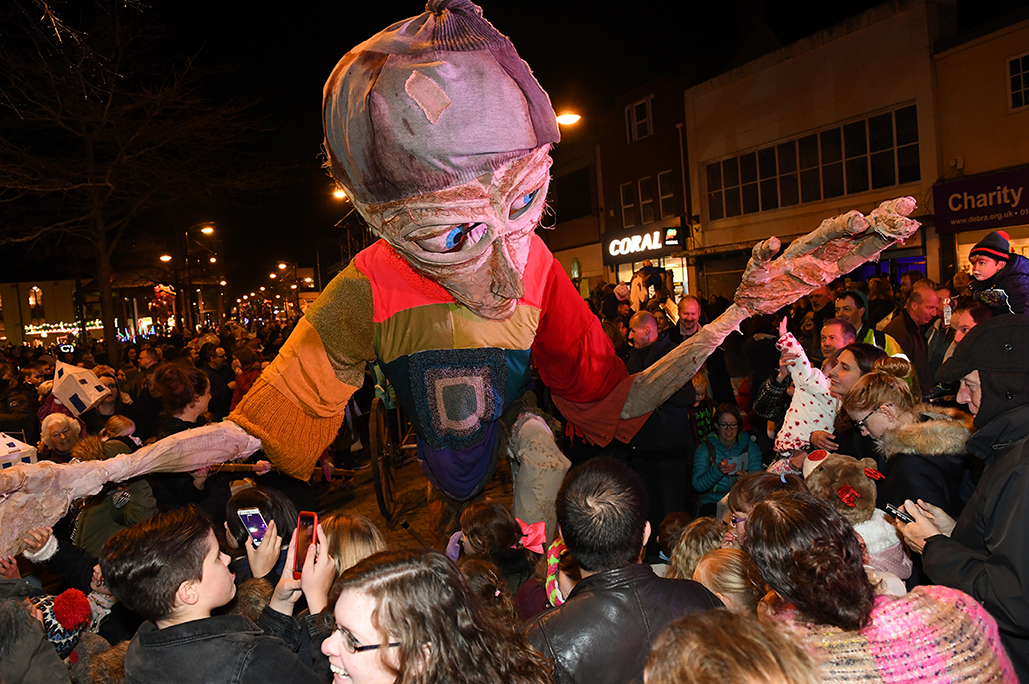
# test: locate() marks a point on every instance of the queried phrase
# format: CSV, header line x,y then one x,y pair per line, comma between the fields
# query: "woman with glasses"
x,y
922,446
410,616
724,456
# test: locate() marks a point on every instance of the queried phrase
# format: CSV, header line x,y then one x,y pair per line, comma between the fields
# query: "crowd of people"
x,y
836,496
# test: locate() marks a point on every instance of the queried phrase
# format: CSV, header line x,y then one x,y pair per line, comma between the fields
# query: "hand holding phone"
x,y
254,522
307,534
899,514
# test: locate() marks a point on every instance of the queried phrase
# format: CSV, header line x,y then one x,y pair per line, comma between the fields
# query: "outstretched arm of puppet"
x,y
39,494
297,404
837,246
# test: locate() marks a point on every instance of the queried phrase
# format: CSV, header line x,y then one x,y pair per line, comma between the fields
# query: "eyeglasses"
x,y
859,424
727,426
736,520
353,646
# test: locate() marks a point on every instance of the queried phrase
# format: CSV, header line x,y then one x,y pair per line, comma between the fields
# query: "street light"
x,y
166,258
568,118
339,194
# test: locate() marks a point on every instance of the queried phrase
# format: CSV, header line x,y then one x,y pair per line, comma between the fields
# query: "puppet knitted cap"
x,y
995,245
429,103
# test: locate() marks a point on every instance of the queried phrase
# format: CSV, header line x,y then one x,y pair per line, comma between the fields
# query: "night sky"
x,y
281,54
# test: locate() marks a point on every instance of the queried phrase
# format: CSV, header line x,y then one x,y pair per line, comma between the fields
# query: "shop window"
x,y
666,190
628,194
1018,71
638,120
646,199
36,306
877,152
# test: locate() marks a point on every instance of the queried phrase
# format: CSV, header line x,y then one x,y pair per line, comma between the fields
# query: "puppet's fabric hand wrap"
x,y
39,494
837,246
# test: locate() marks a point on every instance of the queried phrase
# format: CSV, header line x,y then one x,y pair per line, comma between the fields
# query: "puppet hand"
x,y
838,246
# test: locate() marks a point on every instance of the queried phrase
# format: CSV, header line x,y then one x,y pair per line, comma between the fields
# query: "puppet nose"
x,y
507,281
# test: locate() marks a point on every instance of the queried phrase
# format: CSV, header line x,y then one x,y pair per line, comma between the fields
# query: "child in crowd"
x,y
1001,279
170,570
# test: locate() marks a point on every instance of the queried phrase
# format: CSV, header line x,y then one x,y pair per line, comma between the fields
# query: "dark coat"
x,y
911,338
228,649
1013,279
986,555
668,426
604,632
926,460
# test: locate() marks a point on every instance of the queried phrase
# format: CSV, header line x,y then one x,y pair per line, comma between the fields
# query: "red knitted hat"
x,y
995,246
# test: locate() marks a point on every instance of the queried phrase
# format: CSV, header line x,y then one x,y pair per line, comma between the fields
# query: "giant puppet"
x,y
441,136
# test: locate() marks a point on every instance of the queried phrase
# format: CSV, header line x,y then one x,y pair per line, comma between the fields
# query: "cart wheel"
x,y
382,449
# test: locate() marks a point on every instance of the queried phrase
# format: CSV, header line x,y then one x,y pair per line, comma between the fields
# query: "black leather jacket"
x,y
603,633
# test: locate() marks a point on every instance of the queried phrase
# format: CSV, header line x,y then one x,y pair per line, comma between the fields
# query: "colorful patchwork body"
x,y
453,371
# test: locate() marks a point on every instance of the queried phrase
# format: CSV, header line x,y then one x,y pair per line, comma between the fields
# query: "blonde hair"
x,y
719,646
118,426
352,538
888,383
730,572
699,537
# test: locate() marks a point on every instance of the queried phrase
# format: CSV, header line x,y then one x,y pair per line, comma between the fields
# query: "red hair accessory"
x,y
847,495
874,474
534,536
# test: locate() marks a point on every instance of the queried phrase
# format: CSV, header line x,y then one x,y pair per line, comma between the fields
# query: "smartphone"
x,y
899,514
254,522
307,534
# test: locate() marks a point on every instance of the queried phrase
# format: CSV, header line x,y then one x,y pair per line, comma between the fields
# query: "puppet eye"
x,y
519,206
454,239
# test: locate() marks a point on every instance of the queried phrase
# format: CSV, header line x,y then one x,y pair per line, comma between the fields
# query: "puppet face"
x,y
472,239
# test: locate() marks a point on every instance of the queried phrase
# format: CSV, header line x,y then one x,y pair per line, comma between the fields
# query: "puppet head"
x,y
440,135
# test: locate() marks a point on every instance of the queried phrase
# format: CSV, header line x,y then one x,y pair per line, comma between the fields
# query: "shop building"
x,y
983,122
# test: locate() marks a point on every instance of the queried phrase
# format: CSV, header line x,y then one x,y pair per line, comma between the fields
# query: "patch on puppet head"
x,y
427,93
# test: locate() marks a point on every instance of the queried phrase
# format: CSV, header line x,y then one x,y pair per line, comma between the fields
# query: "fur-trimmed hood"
x,y
941,432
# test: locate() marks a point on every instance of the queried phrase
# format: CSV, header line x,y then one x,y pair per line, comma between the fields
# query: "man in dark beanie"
x,y
984,553
996,270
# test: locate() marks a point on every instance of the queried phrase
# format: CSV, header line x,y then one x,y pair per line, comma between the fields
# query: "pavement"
x,y
414,523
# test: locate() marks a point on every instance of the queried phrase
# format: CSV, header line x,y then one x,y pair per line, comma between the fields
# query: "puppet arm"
x,y
297,405
39,494
837,246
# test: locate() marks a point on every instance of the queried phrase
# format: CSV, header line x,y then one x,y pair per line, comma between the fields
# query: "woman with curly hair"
x,y
810,556
409,617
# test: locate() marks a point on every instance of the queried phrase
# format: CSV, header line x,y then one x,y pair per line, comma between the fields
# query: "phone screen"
x,y
254,522
305,537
